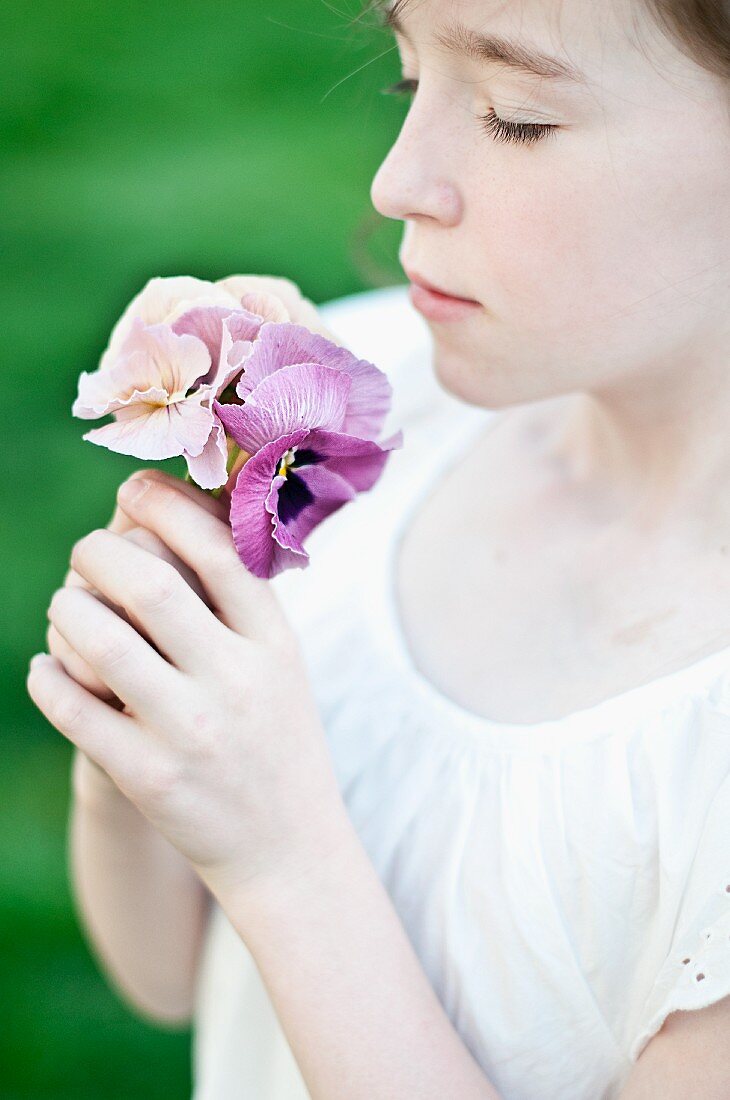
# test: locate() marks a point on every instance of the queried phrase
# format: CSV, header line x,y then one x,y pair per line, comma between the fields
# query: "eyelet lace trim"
x,y
712,944
697,974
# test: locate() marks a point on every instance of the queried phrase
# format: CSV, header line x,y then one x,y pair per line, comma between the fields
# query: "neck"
x,y
650,454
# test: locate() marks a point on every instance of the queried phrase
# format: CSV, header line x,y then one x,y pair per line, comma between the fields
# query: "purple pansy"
x,y
309,415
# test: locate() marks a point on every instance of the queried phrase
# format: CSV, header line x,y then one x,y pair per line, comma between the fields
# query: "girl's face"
x,y
600,252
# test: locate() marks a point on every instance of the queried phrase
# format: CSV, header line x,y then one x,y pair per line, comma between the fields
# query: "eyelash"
x,y
499,128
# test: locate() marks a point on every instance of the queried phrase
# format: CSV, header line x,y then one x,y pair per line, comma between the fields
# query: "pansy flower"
x,y
160,387
310,412
221,375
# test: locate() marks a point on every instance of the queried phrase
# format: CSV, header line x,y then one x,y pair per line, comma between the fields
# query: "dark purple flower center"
x,y
295,494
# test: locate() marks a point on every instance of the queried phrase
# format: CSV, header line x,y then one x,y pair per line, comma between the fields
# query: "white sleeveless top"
x,y
565,884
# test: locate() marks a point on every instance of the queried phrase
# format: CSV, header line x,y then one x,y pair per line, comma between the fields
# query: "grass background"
x,y
139,139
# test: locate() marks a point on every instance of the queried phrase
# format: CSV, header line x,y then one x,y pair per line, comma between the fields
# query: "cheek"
x,y
569,246
561,251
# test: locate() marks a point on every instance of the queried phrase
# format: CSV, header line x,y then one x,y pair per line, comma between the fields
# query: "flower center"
x,y
287,460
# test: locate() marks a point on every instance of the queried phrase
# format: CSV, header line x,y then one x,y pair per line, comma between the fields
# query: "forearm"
x,y
349,989
142,905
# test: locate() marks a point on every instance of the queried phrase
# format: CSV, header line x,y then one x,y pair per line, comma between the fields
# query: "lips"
x,y
419,280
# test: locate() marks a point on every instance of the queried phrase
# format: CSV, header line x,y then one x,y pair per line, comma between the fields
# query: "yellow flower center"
x,y
286,460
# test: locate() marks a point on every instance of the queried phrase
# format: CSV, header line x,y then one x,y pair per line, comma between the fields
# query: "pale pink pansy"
x,y
153,420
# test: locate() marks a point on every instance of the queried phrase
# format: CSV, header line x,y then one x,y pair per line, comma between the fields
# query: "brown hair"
x,y
700,29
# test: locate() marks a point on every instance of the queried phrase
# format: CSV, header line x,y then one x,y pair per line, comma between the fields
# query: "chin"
x,y
500,383
476,383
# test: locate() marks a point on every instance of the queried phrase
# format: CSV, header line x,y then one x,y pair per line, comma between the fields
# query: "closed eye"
x,y
499,128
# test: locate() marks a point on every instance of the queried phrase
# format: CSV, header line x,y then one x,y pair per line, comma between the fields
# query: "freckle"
x,y
700,977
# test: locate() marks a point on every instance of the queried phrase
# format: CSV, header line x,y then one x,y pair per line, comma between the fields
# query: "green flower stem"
x,y
233,453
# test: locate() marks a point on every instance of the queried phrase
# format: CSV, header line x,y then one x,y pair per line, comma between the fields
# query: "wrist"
x,y
332,855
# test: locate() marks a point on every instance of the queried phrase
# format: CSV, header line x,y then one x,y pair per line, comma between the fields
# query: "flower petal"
x,y
126,383
206,323
208,469
243,327
280,345
313,491
306,496
211,298
174,362
157,431
252,293
272,514
306,395
214,325
239,332
300,309
154,303
359,461
251,522
267,306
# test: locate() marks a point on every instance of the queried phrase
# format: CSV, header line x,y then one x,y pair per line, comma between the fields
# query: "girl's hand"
x,y
86,775
120,522
221,745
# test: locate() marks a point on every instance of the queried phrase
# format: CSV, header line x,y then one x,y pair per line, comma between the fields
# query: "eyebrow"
x,y
462,40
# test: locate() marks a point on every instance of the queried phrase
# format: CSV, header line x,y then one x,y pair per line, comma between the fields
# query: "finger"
x,y
75,665
110,739
244,602
142,536
155,595
122,523
127,664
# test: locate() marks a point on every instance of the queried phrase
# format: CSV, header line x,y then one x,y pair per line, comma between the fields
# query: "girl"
x,y
518,642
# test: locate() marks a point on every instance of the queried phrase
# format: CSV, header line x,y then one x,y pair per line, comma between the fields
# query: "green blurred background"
x,y
140,139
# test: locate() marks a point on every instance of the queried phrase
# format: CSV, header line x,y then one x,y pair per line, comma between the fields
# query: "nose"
x,y
417,179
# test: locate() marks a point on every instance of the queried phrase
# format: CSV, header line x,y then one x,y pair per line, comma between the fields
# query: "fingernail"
x,y
132,490
40,659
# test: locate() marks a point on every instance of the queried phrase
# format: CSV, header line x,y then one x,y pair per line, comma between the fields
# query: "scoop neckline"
x,y
452,434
